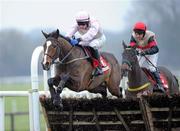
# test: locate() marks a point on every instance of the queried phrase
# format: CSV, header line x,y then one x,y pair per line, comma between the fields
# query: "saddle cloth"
x,y
103,62
152,79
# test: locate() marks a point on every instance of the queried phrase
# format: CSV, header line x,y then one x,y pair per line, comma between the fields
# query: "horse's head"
x,y
52,48
129,58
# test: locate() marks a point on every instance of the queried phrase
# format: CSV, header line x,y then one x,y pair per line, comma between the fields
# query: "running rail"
x,y
33,94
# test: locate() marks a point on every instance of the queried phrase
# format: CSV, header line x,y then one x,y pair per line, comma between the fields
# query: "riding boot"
x,y
159,86
98,70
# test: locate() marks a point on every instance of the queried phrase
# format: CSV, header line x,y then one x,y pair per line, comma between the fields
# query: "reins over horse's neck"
x,y
68,54
66,49
64,44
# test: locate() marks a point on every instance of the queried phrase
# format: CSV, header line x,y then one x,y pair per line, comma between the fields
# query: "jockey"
x,y
88,33
147,51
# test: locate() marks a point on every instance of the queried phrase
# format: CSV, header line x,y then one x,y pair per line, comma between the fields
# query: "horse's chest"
x,y
145,92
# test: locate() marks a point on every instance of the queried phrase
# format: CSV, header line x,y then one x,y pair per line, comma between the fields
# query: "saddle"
x,y
153,80
94,62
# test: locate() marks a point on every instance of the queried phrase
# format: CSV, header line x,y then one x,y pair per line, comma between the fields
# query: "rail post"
x,y
2,114
35,120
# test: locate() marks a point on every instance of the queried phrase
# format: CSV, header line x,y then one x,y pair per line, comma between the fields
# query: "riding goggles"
x,y
140,32
82,23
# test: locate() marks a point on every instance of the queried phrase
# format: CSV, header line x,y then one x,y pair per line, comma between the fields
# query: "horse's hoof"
x,y
104,94
59,107
58,104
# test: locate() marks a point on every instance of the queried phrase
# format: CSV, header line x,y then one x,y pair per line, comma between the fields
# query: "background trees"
x,y
161,16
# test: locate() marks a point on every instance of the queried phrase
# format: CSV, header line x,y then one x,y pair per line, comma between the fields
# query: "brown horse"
x,y
138,81
74,71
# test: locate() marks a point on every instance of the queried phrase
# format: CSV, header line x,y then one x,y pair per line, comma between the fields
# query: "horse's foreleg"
x,y
57,100
51,82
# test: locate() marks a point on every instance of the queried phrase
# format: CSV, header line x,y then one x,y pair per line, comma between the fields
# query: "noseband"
x,y
127,62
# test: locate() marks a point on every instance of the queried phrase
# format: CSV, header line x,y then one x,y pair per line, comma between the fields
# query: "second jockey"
x,y
147,51
88,33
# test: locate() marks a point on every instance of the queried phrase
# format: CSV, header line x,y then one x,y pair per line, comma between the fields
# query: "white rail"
x,y
33,95
34,100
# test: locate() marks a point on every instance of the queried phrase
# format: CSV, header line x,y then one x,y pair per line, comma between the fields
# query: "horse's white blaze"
x,y
48,43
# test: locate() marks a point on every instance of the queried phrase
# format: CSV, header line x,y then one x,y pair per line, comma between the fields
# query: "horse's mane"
x,y
66,38
56,34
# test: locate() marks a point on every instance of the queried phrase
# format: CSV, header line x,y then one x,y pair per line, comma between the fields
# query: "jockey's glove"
x,y
136,52
142,53
75,41
151,51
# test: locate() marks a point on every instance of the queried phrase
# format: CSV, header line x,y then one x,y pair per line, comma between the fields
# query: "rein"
x,y
66,56
73,60
52,57
150,62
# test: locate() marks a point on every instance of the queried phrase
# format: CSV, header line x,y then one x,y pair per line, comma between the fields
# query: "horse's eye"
x,y
54,46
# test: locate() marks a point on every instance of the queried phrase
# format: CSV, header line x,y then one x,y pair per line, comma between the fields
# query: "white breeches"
x,y
143,62
96,43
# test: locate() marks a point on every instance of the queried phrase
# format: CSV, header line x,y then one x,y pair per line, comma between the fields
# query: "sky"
x,y
30,14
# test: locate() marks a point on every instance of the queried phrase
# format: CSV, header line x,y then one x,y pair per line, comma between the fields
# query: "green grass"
x,y
18,104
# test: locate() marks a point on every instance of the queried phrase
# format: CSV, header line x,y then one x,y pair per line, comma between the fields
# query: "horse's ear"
x,y
124,44
57,31
45,34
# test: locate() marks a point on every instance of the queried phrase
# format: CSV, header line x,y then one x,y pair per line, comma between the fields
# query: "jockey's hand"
x,y
75,41
142,53
136,52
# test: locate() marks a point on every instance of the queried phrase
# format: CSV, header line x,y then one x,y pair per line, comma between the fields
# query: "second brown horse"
x,y
138,81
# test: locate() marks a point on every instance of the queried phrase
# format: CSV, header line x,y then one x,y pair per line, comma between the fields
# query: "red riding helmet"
x,y
140,26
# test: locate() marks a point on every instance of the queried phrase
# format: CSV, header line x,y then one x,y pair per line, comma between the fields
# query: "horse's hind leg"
x,y
115,90
113,84
173,85
176,85
172,81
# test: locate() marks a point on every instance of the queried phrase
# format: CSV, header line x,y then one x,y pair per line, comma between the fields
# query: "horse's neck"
x,y
137,77
65,47
68,49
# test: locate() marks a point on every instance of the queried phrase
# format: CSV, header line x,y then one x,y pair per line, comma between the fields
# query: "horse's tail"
x,y
176,80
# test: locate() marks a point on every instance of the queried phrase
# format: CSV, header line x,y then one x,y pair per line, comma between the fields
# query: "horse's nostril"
x,y
47,63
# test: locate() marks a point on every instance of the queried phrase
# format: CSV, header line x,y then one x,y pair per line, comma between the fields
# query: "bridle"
x,y
125,61
129,64
57,50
